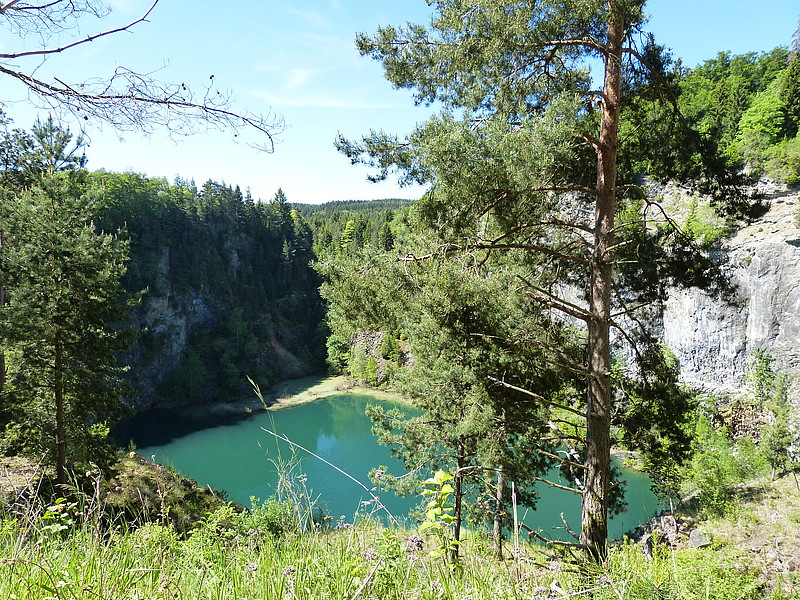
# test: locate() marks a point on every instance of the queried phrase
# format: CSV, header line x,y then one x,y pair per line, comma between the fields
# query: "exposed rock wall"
x,y
169,320
713,340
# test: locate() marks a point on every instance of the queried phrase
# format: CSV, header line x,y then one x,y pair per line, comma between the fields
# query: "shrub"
x,y
718,465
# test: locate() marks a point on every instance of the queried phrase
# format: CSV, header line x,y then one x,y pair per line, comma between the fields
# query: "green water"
x,y
238,457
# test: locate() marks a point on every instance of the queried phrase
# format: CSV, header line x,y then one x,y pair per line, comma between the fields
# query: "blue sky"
x,y
298,60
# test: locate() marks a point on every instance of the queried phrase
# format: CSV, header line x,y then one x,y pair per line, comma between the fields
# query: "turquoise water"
x,y
239,457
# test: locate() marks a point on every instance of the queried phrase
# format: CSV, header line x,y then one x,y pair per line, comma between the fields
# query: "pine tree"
x,y
525,159
462,325
61,321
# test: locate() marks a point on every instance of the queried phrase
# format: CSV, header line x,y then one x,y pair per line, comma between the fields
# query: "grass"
x,y
77,550
225,557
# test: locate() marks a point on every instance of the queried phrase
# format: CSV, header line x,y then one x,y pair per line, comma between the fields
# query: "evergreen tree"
x,y
790,94
463,325
61,324
509,161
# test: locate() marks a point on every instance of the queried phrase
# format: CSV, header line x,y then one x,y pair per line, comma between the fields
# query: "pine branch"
x,y
558,486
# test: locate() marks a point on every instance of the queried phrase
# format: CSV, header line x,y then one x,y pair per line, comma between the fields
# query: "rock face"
x,y
170,319
713,340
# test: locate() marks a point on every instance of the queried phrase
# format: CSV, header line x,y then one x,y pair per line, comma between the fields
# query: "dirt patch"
x,y
766,527
297,391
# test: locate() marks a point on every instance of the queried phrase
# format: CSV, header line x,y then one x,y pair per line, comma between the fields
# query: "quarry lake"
x,y
239,457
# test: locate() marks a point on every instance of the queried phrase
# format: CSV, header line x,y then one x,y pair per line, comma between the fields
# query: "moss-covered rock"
x,y
144,492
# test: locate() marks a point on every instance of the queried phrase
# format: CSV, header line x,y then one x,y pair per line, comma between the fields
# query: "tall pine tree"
x,y
526,157
61,320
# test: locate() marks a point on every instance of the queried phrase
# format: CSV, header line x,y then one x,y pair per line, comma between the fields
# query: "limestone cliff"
x,y
168,321
714,340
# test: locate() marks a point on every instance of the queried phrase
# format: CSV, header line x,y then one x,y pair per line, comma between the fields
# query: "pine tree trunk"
x,y
497,530
458,497
594,520
61,437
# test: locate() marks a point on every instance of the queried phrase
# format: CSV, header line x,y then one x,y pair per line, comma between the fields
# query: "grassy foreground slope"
x,y
70,550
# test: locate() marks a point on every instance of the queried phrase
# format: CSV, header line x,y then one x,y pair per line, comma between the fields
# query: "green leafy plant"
x,y
772,397
59,517
438,515
719,464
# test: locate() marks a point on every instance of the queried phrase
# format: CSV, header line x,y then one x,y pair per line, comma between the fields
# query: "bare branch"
x,y
558,486
553,301
561,459
548,541
568,528
127,100
90,38
611,249
562,436
49,18
626,311
535,395
144,104
586,42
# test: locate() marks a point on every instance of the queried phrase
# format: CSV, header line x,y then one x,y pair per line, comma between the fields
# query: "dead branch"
x,y
558,486
561,459
87,39
568,528
541,399
553,301
127,100
548,541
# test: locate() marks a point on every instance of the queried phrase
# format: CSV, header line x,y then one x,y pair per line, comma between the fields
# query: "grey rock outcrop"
x,y
169,318
713,340
698,539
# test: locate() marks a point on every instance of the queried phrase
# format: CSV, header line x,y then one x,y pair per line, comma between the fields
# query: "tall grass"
x,y
261,555
76,550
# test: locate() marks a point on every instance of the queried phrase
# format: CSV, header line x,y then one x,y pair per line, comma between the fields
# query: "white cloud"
x,y
313,18
299,77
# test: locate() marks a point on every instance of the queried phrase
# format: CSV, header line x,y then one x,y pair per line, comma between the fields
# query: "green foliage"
x,y
237,271
688,574
271,516
390,346
61,321
770,390
657,415
59,517
226,556
718,464
346,227
790,94
371,371
520,213
460,325
748,105
139,492
704,224
438,515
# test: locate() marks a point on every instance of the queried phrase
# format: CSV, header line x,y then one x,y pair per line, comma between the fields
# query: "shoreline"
x,y
291,392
